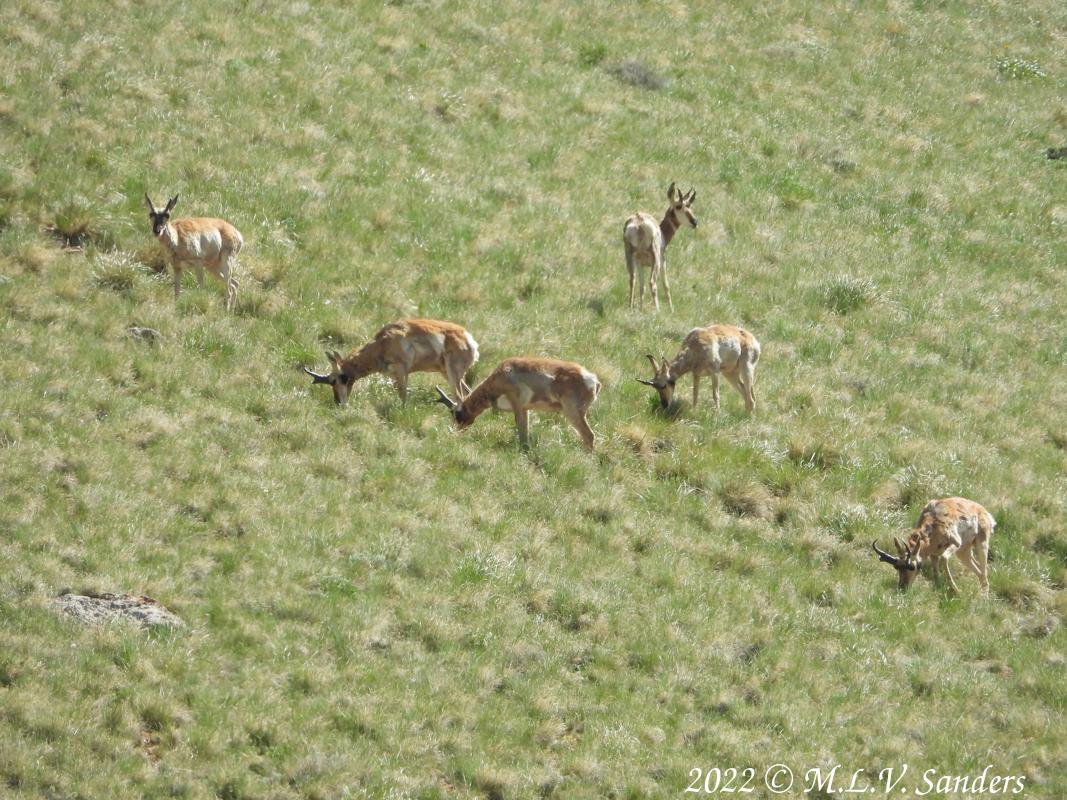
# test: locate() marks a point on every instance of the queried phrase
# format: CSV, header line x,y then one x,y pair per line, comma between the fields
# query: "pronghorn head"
x,y
339,380
907,561
661,381
458,412
159,218
681,205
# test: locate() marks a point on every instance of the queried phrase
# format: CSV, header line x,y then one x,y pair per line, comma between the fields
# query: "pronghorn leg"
x,y
577,419
696,387
948,574
966,558
666,284
750,384
632,269
177,270
199,265
400,379
522,422
653,279
454,374
735,380
227,266
982,549
715,388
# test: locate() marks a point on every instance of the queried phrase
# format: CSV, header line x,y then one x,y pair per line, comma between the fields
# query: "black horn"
x,y
444,399
883,555
317,378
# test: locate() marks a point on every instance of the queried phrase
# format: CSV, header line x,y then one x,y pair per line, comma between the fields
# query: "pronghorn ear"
x,y
646,383
663,362
149,203
652,361
170,204
898,545
670,191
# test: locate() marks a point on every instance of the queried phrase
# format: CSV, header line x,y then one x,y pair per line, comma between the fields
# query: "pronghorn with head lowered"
x,y
717,349
522,385
199,242
645,241
950,527
403,347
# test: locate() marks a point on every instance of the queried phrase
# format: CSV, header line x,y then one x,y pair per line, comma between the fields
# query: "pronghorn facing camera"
x,y
199,242
714,350
950,527
645,241
522,385
403,347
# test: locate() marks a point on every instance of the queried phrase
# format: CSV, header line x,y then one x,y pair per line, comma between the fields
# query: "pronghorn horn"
x,y
692,195
670,191
444,399
646,383
151,205
654,366
884,556
318,378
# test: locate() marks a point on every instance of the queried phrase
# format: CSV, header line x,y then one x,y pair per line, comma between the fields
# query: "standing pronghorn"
x,y
403,347
645,241
199,242
716,349
522,385
953,526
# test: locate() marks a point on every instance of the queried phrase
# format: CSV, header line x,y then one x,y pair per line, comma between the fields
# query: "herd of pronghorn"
x,y
947,527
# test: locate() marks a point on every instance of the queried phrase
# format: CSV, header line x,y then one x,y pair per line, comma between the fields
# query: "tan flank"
x,y
522,385
950,527
201,243
645,241
716,349
403,347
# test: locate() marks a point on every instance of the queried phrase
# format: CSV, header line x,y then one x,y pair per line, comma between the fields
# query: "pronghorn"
x,y
522,385
645,241
403,347
952,526
715,349
199,242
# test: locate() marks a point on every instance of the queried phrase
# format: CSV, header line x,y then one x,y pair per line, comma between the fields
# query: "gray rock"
x,y
150,335
95,609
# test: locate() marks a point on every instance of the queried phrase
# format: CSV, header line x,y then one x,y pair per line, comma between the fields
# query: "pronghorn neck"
x,y
668,227
482,398
364,361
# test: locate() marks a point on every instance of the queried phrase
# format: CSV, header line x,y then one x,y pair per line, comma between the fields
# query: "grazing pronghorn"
x,y
645,241
403,347
198,242
522,385
716,349
953,526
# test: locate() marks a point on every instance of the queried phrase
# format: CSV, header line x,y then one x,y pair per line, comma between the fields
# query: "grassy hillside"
x,y
378,606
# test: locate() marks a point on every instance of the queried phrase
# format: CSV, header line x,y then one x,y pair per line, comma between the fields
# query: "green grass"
x,y
378,606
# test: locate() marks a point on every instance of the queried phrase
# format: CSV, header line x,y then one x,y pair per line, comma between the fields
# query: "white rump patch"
x,y
591,382
472,346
